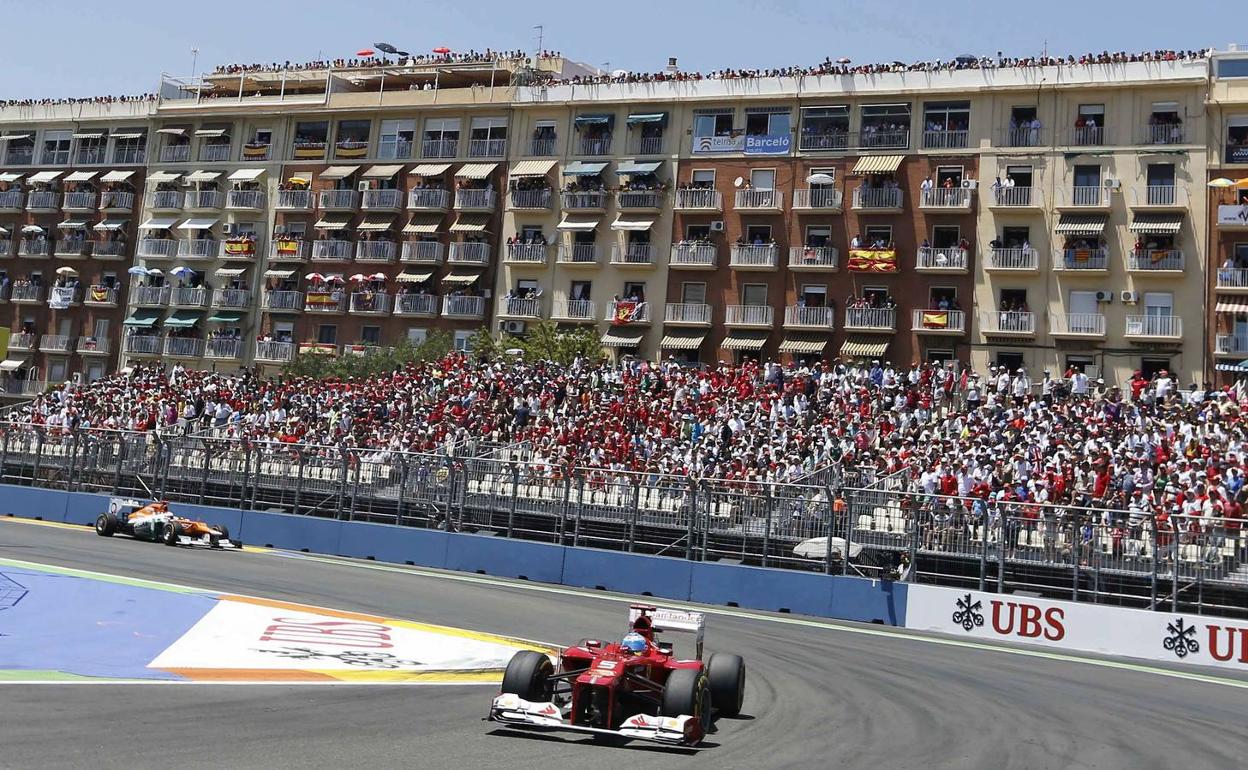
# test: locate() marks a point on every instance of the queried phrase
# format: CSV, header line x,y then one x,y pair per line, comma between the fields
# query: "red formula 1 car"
x,y
635,688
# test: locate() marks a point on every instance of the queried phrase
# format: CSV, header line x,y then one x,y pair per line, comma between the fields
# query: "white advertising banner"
x,y
1161,636
1233,216
60,297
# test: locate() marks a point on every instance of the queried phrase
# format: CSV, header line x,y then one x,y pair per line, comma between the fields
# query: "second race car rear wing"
x,y
669,619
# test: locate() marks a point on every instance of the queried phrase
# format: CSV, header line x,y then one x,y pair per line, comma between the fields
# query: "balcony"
x,y
184,347
72,248
11,201
816,318
1089,261
109,249
1155,261
309,150
1013,260
32,247
938,322
167,200
294,200
175,153
944,260
475,200
204,200
578,254
256,152
533,200
79,201
593,200
331,251
143,344
1077,325
25,341
1084,198
871,319
338,200
639,200
232,298
1163,133
188,297
242,248
325,302
945,140
1161,328
42,200
754,257
117,202
1085,136
275,352
224,348
382,200
285,301
1230,345
463,308
749,316
199,248
1008,323
542,147
375,251
691,256
1161,196
818,199
758,200
150,296
416,305
813,258
1233,280
940,199
422,252
687,314
214,153
872,138
64,295
699,199
370,303
1023,136
824,141
487,148
288,250
56,343
466,253
245,200
428,199
1014,197
101,296
636,312
594,145
575,310
439,148
93,346
878,199
525,254
633,255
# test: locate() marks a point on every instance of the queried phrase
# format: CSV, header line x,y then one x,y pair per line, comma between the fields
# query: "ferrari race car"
x,y
156,522
636,688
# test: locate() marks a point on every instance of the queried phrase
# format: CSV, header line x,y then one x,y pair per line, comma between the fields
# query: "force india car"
x,y
156,522
607,689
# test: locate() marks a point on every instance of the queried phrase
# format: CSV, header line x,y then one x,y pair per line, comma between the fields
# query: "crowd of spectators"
x,y
367,62
52,102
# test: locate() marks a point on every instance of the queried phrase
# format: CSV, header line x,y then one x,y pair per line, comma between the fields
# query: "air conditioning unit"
x,y
1130,297
717,226
513,327
362,186
1104,296
970,184
227,228
1113,184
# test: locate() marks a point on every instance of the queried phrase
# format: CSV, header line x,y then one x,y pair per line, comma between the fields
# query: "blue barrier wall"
x,y
808,593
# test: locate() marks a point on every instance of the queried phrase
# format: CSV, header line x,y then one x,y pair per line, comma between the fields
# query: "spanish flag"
x,y
873,260
936,319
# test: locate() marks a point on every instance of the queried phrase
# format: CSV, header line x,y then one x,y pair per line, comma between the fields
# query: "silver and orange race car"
x,y
155,522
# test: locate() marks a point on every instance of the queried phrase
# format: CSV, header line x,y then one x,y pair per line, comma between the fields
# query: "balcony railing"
x,y
1232,278
639,199
1077,324
692,313
940,198
42,200
1230,344
1161,196
115,200
98,294
818,198
1023,136
373,302
339,199
757,257
1155,259
813,258
56,343
469,254
589,145
79,201
693,255
143,344
877,198
188,297
29,247
541,147
1013,259
72,247
331,251
645,145
1089,197
594,199
184,347
204,199
109,249
935,321
416,304
214,153
475,199
463,307
637,312
382,199
198,248
881,139
11,200
871,318
1081,259
1086,136
758,199
175,153
1163,134
439,148
749,315
1013,197
699,199
167,200
256,152
231,298
324,301
1167,326
294,200
238,248
422,252
823,141
24,341
288,250
526,307
283,300
375,251
951,258
309,150
635,254
578,254
275,351
1008,322
526,253
530,199
802,317
89,156
487,148
6,248
93,346
149,295
426,198
244,199
224,347
945,140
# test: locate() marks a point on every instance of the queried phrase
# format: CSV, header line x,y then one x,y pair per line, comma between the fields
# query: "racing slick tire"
x,y
224,537
528,677
726,674
687,692
105,525
169,536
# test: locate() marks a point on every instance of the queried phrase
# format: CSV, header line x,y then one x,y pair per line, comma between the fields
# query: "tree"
x,y
546,343
484,346
371,363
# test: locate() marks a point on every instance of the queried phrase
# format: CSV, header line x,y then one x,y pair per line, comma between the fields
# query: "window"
x,y
635,290
697,232
1015,237
20,152
1237,139
1151,366
713,124
825,128
763,178
531,233
99,328
370,335
1233,68
885,126
942,297
462,336
814,295
417,336
95,372
580,290
487,129
1085,364
952,174
1091,114
56,370
754,294
1009,359
879,234
283,331
1014,299
396,139
352,139
130,146
92,148
310,139
1158,303
945,124
1161,175
327,334
945,236
1021,176
1087,185
758,234
818,235
442,129
768,123
56,147
939,355
704,178
693,293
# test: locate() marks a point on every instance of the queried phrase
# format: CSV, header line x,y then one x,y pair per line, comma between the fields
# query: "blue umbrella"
x,y
137,270
182,271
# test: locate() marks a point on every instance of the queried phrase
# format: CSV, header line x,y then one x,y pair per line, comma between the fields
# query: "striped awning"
x,y
116,176
632,223
423,223
863,348
623,338
744,341
374,222
583,168
164,176
246,175
575,223
637,168
429,169
1081,224
9,176
532,168
1157,224
878,164
414,277
338,172
1231,305
803,345
470,223
333,222
202,176
461,276
81,176
278,273
682,341
44,177
381,172
1242,367
229,272
476,170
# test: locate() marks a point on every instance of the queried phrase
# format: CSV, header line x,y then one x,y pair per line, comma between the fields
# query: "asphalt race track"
x,y
818,695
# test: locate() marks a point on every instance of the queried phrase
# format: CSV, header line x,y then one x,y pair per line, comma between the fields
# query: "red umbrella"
x,y
357,278
365,52
315,277
377,277
442,49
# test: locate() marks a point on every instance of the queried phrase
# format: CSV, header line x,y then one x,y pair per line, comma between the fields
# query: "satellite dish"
x,y
820,179
738,181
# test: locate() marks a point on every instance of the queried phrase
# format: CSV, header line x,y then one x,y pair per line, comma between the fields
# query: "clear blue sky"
x,y
88,47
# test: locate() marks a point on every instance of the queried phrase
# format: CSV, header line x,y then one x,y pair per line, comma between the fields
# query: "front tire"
x,y
105,525
687,692
726,674
170,534
528,677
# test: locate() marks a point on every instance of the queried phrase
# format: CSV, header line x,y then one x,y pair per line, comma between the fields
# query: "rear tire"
x,y
105,525
528,677
170,534
687,693
726,674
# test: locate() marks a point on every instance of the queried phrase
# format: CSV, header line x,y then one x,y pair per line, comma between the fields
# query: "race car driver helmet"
x,y
634,643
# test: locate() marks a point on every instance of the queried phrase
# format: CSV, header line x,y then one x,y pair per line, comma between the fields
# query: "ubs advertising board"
x,y
1170,637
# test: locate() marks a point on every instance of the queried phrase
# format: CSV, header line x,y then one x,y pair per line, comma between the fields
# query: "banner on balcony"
x,y
251,151
322,298
627,312
60,297
1234,216
873,260
99,294
240,247
288,247
938,319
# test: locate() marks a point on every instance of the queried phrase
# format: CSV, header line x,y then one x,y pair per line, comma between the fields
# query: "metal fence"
x,y
852,522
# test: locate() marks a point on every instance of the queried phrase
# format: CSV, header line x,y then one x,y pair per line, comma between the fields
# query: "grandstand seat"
x,y
1189,553
1022,540
864,522
1036,539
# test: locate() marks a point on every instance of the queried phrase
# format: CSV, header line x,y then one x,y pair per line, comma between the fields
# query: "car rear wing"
x,y
669,619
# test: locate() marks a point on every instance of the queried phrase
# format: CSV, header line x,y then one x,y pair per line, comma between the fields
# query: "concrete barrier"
x,y
627,573
33,503
505,558
283,530
764,589
398,545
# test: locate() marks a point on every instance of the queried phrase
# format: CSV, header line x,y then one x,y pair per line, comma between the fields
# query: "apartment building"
x,y
1227,303
1033,218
